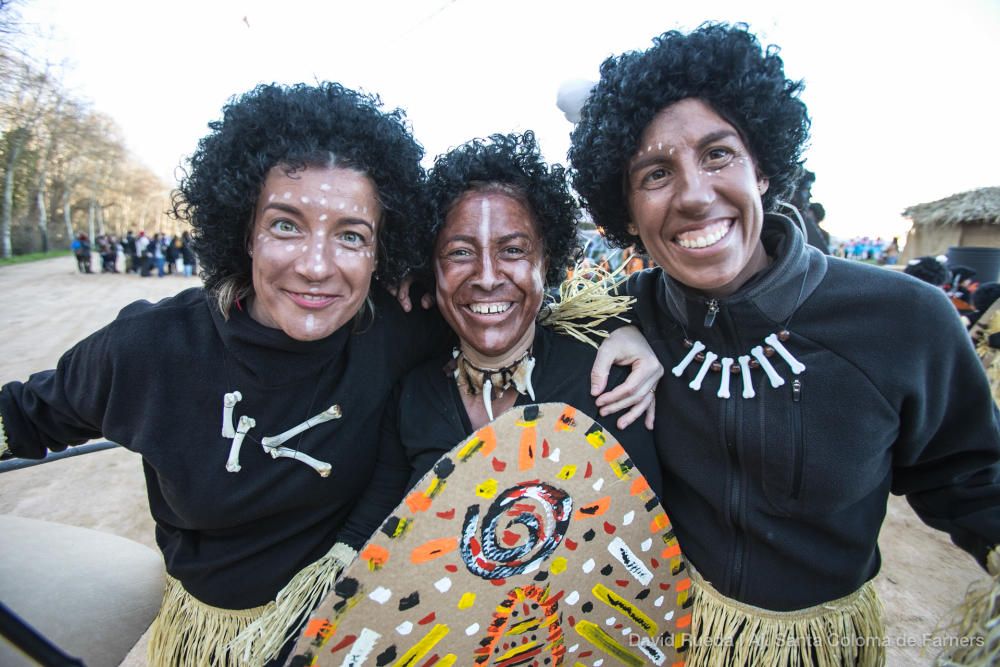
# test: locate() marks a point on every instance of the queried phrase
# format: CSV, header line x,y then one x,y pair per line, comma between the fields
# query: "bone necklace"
x,y
759,357
475,380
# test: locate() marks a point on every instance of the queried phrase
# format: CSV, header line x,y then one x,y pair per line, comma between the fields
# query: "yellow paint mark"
x,y
467,600
682,597
604,642
401,527
436,487
558,565
422,647
487,489
470,448
597,439
621,470
516,651
524,626
376,555
446,661
567,472
620,604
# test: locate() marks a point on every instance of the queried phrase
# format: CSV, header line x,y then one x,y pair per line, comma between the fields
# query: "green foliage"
x,y
33,257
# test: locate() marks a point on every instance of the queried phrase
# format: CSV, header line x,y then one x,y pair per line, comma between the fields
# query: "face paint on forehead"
x,y
484,220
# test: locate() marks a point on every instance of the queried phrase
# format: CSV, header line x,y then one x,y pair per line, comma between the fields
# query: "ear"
x,y
762,183
632,229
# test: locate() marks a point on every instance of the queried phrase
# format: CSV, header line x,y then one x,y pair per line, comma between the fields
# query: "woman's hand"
x,y
627,347
402,294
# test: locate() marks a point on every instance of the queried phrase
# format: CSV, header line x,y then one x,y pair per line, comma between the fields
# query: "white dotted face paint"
x,y
325,187
304,200
289,247
322,201
271,198
341,206
287,195
310,322
304,248
322,218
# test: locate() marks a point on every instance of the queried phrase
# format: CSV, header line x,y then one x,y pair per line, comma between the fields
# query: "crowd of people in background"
x,y
867,249
139,253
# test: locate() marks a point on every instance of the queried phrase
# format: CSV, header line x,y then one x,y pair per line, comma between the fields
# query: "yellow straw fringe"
x,y
585,302
727,633
189,632
979,627
262,640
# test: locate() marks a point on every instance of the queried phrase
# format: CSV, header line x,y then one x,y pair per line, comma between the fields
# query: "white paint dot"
x,y
380,595
598,663
610,620
355,207
310,322
658,602
588,566
659,146
443,584
289,247
322,218
318,267
472,629
572,598
627,519
322,201
647,544
626,632
669,615
554,457
304,248
271,198
598,484
304,199
404,628
342,206
287,195
325,187
573,648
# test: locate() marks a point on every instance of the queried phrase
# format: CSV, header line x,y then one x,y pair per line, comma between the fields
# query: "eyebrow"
x,y
281,206
709,138
466,238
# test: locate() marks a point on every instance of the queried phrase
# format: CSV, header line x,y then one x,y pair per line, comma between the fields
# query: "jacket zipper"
x,y
728,433
798,445
713,310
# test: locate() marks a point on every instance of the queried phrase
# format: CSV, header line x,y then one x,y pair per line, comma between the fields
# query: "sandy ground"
x,y
46,306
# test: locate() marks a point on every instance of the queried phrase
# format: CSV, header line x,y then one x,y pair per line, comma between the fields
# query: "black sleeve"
x,y
947,456
388,485
57,408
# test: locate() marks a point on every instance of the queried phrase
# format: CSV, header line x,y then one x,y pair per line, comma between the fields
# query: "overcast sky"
x,y
903,95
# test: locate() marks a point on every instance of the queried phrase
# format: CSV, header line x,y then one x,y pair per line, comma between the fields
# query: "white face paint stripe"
x,y
310,322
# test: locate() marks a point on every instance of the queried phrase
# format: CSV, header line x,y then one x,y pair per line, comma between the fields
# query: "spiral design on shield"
x,y
522,527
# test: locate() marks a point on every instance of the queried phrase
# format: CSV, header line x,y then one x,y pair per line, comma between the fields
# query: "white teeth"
x,y
489,308
715,234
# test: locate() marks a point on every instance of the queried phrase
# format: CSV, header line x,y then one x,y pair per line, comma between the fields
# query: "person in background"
x,y
803,389
81,250
929,269
188,254
128,247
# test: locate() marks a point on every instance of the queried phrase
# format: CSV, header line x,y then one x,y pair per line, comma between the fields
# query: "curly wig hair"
x,y
296,127
510,164
723,65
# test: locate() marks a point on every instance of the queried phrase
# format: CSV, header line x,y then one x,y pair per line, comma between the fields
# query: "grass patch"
x,y
33,257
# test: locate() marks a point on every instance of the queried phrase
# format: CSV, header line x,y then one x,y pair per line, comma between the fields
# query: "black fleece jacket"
x,y
154,379
778,499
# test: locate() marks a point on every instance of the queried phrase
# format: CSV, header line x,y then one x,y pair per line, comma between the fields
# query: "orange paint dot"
x,y
684,621
614,452
659,522
418,502
375,555
639,484
593,509
433,549
684,585
671,551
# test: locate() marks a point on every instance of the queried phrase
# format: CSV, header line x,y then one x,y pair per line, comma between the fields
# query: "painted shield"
x,y
535,541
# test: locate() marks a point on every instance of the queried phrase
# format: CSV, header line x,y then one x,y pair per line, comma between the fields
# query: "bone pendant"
x,y
705,366
233,463
793,363
488,398
229,402
748,391
772,375
724,382
322,467
332,412
695,349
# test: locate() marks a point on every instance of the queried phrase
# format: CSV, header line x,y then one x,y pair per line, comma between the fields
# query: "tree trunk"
x,y
67,217
16,141
43,219
90,221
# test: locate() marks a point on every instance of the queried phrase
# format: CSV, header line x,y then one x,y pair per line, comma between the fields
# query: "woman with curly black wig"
x,y
276,370
503,228
803,389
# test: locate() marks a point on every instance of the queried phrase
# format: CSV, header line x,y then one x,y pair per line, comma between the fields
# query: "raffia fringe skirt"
x,y
840,633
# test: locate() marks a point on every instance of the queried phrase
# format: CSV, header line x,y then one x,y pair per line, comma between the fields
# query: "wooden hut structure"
x,y
965,219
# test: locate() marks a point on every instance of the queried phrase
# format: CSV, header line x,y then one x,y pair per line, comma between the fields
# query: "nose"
x,y
487,276
695,190
316,263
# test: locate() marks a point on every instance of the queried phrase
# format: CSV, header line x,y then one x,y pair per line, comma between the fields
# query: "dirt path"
x,y
46,306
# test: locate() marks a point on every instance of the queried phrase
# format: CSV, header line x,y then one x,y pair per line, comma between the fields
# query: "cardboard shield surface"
x,y
535,541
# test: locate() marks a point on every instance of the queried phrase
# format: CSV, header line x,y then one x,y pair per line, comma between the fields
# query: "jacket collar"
x,y
795,273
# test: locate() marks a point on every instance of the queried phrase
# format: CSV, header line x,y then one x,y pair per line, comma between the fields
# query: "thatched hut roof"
x,y
974,206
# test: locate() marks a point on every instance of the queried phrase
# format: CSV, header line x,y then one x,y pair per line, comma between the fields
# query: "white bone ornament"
x,y
244,426
724,381
772,375
695,349
793,363
322,467
229,401
703,371
332,412
748,391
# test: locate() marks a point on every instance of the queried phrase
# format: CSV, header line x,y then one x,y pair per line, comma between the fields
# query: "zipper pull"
x,y
713,310
796,390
